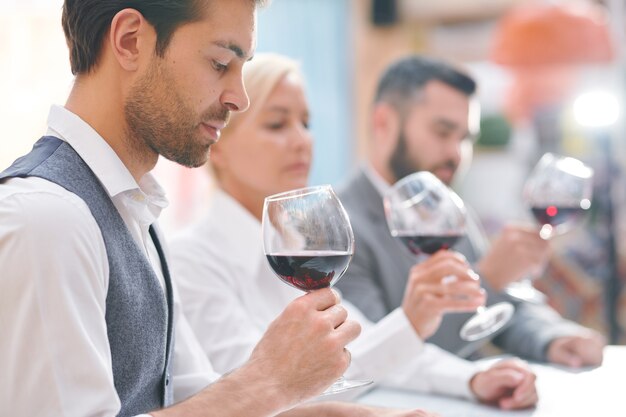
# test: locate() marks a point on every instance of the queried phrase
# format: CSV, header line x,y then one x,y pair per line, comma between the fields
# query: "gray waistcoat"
x,y
139,327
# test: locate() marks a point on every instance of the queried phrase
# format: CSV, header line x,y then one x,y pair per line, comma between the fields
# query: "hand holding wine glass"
x,y
431,292
299,355
427,216
517,251
558,192
308,242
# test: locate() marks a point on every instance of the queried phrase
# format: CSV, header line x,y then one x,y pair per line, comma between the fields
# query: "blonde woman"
x,y
230,294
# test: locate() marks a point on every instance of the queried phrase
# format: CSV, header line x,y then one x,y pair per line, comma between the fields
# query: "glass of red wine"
x,y
308,242
427,216
558,192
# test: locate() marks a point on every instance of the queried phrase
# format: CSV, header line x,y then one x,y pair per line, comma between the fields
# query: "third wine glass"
x,y
558,193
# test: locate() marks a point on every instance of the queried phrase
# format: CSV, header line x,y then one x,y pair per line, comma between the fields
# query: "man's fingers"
x,y
506,378
589,349
348,331
322,299
525,394
463,289
515,382
460,306
449,279
336,314
509,403
439,258
576,351
456,297
448,254
456,290
533,255
525,234
566,357
446,268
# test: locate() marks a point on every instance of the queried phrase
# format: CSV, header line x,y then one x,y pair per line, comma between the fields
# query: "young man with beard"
x,y
420,121
90,321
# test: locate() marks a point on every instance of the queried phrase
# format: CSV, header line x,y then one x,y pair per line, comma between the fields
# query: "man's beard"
x,y
158,117
401,164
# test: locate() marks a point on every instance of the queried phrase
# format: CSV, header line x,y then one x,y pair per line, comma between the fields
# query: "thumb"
x,y
496,383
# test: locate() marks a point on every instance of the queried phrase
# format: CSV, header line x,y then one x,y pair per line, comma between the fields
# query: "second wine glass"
x,y
308,242
427,216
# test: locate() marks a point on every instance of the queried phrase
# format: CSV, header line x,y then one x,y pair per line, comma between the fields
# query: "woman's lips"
x,y
299,167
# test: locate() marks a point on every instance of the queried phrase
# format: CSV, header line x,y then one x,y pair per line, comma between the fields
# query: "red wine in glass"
x,y
558,215
428,244
309,271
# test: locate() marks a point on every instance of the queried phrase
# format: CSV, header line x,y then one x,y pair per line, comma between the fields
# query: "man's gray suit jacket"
x,y
377,276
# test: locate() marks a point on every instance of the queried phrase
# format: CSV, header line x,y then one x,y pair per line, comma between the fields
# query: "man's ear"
x,y
130,38
385,127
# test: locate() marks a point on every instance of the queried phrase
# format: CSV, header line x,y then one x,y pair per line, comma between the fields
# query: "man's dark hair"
x,y
85,23
405,78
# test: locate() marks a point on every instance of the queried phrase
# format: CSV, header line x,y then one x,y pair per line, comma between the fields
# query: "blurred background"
x,y
551,78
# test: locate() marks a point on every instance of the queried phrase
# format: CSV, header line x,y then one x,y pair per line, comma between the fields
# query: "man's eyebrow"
x,y
451,125
235,49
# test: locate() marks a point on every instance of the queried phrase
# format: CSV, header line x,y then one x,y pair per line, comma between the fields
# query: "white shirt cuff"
x,y
384,347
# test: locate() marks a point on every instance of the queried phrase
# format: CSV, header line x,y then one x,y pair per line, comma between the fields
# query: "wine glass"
x,y
558,192
427,216
308,242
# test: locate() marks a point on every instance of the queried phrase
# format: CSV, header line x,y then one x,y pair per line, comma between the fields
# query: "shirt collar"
x,y
379,183
103,160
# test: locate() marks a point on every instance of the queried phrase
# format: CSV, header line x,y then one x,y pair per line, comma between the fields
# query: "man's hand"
x,y
516,252
577,351
508,384
441,284
303,350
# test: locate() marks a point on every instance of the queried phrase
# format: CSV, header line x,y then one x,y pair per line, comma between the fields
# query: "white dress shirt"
x,y
54,351
230,295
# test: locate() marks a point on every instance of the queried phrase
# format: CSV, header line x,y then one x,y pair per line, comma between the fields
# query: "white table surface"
x,y
596,392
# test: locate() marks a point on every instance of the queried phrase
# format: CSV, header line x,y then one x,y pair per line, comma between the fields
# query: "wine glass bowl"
x,y
307,237
558,192
426,216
